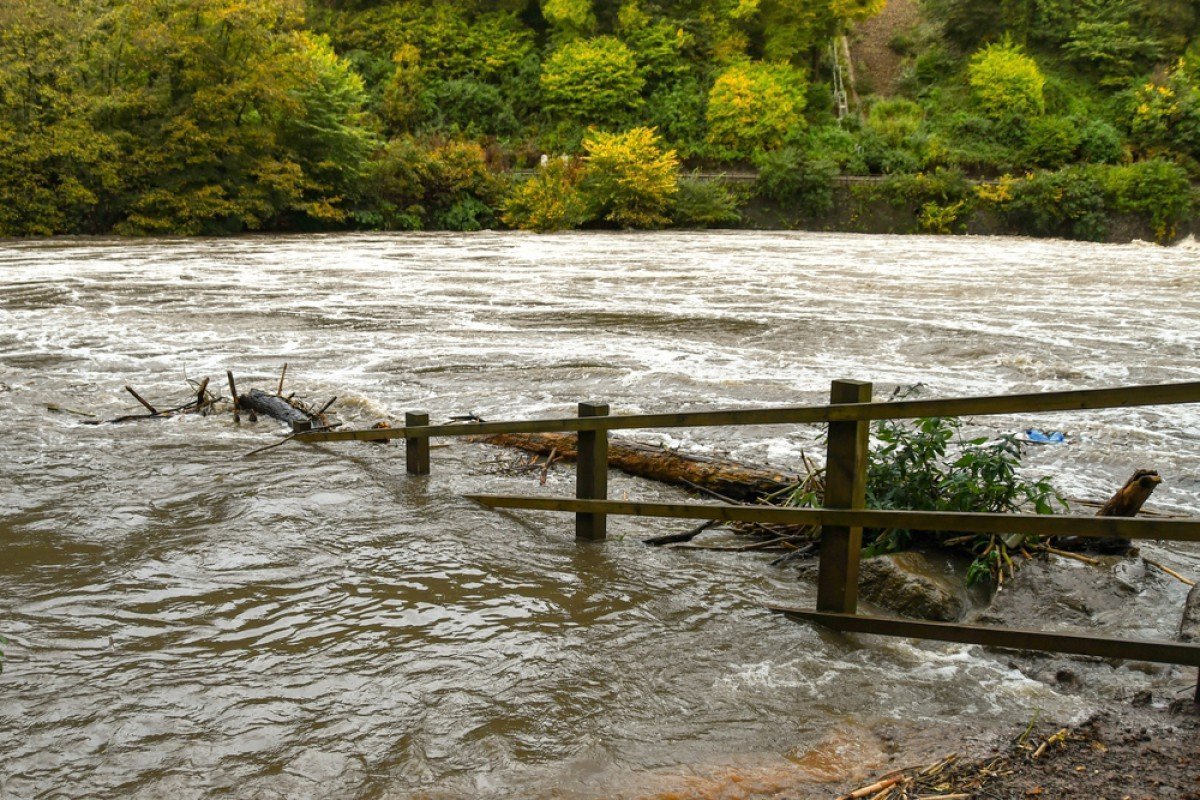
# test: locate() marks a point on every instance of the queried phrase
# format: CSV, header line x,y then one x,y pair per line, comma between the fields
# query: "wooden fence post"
x,y
591,474
845,487
416,449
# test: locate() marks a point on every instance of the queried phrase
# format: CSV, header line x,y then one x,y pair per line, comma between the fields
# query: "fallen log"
x,y
742,482
1127,502
272,406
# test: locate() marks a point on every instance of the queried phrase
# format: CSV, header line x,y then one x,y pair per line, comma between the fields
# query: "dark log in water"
x,y
727,478
1127,502
272,406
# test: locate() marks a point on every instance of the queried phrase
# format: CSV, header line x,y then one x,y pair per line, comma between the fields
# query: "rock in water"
x,y
915,584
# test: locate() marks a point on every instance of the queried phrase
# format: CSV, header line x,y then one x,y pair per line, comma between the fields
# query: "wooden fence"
x,y
848,414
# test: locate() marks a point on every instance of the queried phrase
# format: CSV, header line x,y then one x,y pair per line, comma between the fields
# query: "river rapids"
x,y
311,622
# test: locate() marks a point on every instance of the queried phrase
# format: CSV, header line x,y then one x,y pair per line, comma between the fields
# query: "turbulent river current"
x,y
312,622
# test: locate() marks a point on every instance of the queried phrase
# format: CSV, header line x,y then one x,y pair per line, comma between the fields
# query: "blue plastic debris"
x,y
1054,437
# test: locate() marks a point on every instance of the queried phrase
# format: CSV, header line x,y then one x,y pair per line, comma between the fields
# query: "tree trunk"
x,y
730,479
262,403
1127,502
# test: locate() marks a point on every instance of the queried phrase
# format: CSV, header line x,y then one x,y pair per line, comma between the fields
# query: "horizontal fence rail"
x,y
1175,530
1011,638
1076,400
844,516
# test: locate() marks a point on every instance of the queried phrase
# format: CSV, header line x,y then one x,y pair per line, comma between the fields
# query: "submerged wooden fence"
x,y
843,516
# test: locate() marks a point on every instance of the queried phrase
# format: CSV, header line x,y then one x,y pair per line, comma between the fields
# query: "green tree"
x,y
549,201
1006,83
56,169
573,17
1108,38
230,116
595,81
754,106
630,179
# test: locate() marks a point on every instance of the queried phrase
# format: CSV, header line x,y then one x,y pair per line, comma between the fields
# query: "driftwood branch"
x,y
729,480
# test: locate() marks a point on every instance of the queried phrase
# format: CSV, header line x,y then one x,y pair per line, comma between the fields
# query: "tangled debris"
x,y
1131,752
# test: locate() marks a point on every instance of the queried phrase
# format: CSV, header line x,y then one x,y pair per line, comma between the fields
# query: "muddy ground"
x,y
1135,751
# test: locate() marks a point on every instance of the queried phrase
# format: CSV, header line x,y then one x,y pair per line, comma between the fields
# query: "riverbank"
x,y
1136,750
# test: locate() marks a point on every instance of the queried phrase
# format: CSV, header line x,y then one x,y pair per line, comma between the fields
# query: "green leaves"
x,y
1006,83
596,81
925,465
755,106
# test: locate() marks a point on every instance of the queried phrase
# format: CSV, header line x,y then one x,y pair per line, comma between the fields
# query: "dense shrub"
x,y
1051,142
704,203
895,121
549,201
942,199
1166,113
1107,38
1068,203
468,107
630,179
838,146
1006,83
1099,142
801,181
571,16
596,81
1157,190
754,106
441,185
658,48
676,111
400,105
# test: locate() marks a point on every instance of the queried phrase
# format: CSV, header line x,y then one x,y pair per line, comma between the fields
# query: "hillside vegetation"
x,y
222,116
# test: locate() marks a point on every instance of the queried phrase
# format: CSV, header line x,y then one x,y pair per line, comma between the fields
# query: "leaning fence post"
x,y
591,474
416,448
845,487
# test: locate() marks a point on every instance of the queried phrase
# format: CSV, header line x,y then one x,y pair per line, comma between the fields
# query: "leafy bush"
x,y
704,204
630,180
596,81
1006,83
1107,37
571,16
400,105
1068,203
895,121
676,111
467,106
754,106
446,185
1051,142
926,465
1099,143
942,186
658,48
804,182
549,201
1166,113
1158,190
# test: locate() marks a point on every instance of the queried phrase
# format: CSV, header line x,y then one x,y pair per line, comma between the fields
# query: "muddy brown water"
x,y
313,623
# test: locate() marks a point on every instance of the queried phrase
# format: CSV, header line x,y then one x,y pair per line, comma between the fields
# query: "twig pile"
x,y
952,779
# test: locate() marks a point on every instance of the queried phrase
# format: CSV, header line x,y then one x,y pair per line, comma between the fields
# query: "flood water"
x,y
311,622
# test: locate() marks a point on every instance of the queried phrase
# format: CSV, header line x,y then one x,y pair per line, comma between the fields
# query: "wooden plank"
x,y
845,487
1085,399
416,448
1177,530
1011,638
591,475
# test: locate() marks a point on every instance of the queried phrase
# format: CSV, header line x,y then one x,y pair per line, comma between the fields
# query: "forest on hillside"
x,y
150,117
